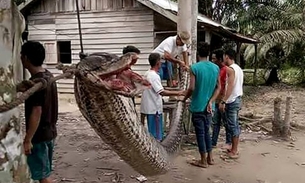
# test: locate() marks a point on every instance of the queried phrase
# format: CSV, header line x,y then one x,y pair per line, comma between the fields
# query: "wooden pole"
x,y
238,52
79,27
255,66
276,123
184,15
286,123
187,18
194,31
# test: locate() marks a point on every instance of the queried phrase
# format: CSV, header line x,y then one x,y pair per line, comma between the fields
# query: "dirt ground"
x,y
82,157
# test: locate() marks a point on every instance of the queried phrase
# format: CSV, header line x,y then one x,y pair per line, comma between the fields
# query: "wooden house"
x,y
107,25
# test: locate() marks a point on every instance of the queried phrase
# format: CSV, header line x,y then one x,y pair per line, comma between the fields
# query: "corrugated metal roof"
x,y
169,9
173,6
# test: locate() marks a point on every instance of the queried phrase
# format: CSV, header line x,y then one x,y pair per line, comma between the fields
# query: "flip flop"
x,y
197,164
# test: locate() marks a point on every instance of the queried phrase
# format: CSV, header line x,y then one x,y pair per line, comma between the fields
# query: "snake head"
x,y
113,73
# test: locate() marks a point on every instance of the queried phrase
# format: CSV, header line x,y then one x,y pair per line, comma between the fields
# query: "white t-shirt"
x,y
151,101
169,45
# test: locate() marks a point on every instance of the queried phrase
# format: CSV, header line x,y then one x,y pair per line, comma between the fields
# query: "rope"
x,y
39,85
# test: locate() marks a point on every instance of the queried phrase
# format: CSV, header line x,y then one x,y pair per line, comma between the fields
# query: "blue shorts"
x,y
40,160
166,71
155,125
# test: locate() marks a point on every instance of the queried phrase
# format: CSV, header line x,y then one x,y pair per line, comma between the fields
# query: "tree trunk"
x,y
276,123
273,77
286,125
13,166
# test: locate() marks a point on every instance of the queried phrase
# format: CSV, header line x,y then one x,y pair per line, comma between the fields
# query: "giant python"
x,y
111,113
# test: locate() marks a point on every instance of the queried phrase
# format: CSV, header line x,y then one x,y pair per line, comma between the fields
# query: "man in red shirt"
x,y
217,58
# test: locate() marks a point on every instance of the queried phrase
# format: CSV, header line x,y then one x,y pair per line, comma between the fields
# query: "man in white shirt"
x,y
151,102
169,49
231,102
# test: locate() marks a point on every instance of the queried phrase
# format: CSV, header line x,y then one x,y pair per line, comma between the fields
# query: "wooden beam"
x,y
25,4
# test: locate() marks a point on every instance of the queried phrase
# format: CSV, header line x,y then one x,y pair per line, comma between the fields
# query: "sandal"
x,y
197,163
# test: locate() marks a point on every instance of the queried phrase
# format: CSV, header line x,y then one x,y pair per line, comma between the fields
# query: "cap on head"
x,y
185,37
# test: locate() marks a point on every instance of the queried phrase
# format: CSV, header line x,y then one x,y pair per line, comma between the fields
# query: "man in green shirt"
x,y
204,88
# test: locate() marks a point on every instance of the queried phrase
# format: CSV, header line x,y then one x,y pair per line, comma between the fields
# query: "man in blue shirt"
x,y
204,88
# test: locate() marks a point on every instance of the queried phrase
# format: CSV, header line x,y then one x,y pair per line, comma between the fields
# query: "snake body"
x,y
114,119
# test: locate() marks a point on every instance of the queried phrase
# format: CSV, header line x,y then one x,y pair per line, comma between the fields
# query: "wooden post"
x,y
276,123
13,165
208,38
255,67
238,52
184,15
286,123
194,31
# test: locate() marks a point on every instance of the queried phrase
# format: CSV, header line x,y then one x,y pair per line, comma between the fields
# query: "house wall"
x,y
108,27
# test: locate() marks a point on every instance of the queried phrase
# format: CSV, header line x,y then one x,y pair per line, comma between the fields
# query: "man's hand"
x,y
222,107
24,85
27,147
210,108
186,68
181,93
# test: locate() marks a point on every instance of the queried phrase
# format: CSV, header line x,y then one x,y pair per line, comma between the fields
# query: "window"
x,y
64,52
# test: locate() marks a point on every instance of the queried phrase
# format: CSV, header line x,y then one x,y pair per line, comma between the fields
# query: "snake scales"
x,y
114,119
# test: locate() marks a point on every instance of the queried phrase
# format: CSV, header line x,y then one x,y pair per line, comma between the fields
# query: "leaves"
x,y
277,24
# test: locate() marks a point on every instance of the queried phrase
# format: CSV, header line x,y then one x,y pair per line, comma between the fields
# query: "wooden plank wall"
x,y
107,31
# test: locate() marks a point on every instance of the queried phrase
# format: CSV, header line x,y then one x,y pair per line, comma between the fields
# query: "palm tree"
x,y
277,25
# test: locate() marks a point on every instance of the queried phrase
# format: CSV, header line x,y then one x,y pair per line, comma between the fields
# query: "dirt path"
x,y
81,156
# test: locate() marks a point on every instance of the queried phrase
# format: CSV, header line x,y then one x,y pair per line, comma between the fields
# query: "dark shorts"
x,y
166,71
40,160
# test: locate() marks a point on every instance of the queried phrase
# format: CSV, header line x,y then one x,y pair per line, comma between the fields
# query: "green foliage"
x,y
275,25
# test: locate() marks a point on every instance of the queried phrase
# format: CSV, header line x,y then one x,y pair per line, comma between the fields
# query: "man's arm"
x,y
186,58
231,77
171,93
167,56
158,88
216,91
33,123
191,88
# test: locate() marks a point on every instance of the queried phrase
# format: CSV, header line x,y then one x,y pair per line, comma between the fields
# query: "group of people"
x,y
215,89
216,82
